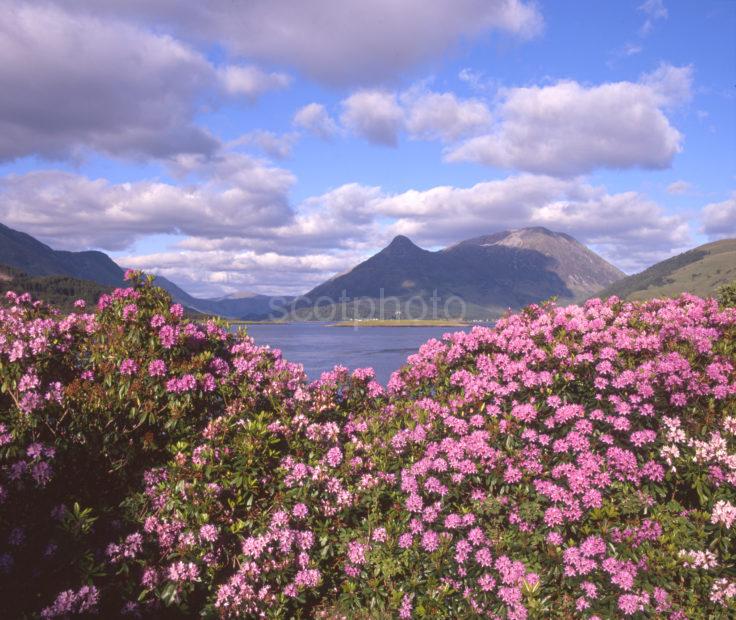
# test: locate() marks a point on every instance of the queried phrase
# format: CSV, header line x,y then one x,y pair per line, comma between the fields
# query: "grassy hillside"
x,y
60,291
701,271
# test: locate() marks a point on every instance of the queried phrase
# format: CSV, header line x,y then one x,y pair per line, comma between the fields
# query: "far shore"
x,y
367,323
245,323
402,323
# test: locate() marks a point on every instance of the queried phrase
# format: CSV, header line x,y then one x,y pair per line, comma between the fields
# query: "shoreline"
x,y
400,323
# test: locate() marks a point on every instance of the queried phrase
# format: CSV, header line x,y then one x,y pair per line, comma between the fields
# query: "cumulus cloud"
x,y
380,115
327,234
251,81
342,219
627,228
276,146
374,115
242,231
237,195
207,272
73,82
344,42
315,119
568,128
719,218
442,116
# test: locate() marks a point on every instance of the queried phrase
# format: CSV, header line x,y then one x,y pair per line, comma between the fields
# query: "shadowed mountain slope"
x,y
504,270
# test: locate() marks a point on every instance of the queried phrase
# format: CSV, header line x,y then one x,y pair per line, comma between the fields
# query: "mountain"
x,y
399,269
489,273
581,269
484,276
20,250
24,252
96,271
700,271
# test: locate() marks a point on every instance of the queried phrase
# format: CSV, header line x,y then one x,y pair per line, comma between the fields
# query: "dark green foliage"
x,y
727,295
60,291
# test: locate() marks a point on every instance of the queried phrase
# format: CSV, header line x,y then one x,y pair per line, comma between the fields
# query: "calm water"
x,y
319,347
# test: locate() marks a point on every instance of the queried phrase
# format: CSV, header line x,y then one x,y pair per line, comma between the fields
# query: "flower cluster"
x,y
571,462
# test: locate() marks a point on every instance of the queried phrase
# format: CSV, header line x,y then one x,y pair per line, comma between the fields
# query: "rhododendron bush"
x,y
573,462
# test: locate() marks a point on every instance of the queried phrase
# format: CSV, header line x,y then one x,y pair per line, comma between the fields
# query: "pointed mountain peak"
x,y
400,241
401,245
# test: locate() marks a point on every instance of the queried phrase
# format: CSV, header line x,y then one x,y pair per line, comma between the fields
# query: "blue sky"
x,y
268,145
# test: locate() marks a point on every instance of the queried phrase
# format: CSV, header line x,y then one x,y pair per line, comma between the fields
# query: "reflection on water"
x,y
319,346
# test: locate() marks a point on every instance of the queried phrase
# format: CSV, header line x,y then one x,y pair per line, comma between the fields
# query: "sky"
x,y
266,145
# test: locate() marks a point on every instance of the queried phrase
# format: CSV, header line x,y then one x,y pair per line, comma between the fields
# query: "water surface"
x,y
319,346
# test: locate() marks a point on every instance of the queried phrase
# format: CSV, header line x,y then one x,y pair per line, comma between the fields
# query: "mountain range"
x,y
485,275
490,273
31,257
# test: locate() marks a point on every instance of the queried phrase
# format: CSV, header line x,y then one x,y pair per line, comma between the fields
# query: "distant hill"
x,y
490,273
31,257
700,271
20,250
60,291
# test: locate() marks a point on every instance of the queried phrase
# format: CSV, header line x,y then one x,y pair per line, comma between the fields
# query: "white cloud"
x,y
341,219
627,228
241,231
237,196
380,115
441,116
73,82
340,42
679,187
568,128
374,115
719,218
314,118
251,81
276,146
213,272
